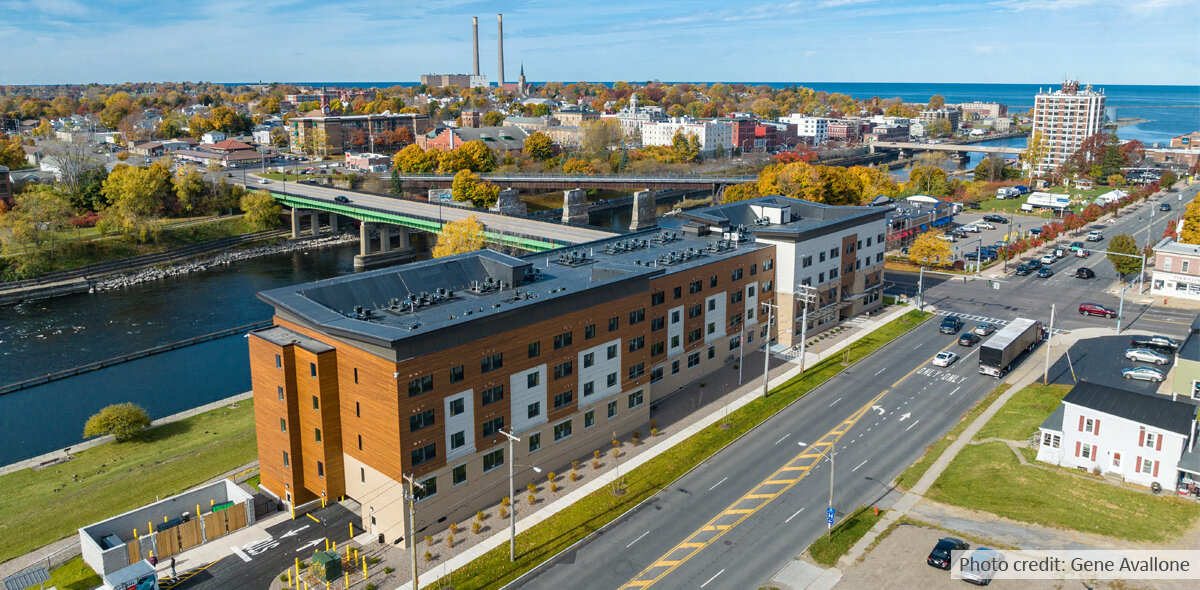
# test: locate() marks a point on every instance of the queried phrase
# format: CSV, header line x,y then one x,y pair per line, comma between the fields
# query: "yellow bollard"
x,y
351,530
347,580
297,571
327,543
335,545
364,569
164,519
289,576
197,511
135,534
149,528
293,509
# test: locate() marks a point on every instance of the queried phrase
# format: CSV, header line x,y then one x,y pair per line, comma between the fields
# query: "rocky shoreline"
x,y
222,259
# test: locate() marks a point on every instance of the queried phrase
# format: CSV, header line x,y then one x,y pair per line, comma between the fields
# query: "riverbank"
x,y
223,259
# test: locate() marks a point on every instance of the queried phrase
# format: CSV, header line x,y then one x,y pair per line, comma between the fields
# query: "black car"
x,y
1156,343
968,339
1084,272
958,233
940,556
995,218
1033,264
950,325
1045,272
341,199
973,206
1164,207
1023,270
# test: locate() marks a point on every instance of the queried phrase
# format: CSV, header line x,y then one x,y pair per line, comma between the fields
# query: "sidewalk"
x,y
682,414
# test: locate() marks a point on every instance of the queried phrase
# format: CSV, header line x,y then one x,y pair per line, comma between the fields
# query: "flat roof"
x,y
804,218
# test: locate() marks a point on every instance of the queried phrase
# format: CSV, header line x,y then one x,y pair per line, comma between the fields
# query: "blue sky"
x,y
1000,41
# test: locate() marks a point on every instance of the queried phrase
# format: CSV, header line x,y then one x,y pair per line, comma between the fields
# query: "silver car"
x,y
1144,374
1145,355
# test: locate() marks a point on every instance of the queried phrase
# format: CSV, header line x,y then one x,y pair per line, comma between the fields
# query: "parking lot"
x,y
987,237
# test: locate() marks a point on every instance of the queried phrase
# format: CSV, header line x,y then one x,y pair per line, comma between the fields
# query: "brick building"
x,y
337,135
1065,117
6,190
983,110
508,138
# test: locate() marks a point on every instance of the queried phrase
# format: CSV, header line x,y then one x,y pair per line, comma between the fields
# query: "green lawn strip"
x,y
254,481
559,531
829,548
1024,412
913,474
74,575
40,507
989,477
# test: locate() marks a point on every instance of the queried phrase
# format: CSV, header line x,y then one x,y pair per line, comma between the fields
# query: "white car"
x,y
1144,374
970,228
1145,355
984,225
263,181
1048,259
945,358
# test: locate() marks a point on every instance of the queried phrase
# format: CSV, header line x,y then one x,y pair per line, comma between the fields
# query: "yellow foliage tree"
x,y
930,249
468,186
456,237
1191,224
262,210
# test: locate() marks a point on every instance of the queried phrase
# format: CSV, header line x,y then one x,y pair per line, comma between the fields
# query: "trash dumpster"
x,y
326,566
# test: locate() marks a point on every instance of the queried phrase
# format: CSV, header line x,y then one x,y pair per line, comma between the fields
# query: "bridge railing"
x,y
681,178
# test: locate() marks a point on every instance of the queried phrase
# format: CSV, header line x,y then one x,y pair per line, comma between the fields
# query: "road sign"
x,y
442,195
829,516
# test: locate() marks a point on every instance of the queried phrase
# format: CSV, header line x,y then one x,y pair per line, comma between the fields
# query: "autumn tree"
x,y
457,237
1191,224
599,136
468,187
1124,244
578,166
493,118
414,160
937,101
990,169
190,189
538,146
262,210
938,128
137,197
929,249
1036,150
37,213
929,180
12,155
480,157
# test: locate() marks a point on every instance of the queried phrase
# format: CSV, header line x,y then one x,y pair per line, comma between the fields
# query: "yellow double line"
x,y
762,494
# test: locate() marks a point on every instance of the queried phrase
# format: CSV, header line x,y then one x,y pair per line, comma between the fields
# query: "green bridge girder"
x,y
427,225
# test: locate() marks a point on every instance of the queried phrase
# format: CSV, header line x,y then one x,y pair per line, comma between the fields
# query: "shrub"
x,y
505,501
479,516
428,557
374,560
428,541
283,578
653,432
596,454
389,569
551,476
574,465
615,452
453,528
532,498
654,424
450,541
476,527
370,587
503,512
123,421
574,476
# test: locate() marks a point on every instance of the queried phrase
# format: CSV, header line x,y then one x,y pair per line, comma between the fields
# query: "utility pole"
x,y
767,347
920,283
512,513
829,519
808,296
412,516
741,350
1049,337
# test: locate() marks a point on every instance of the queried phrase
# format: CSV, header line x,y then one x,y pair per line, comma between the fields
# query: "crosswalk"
x,y
967,317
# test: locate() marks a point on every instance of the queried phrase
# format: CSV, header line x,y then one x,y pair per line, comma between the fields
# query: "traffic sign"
x,y
829,516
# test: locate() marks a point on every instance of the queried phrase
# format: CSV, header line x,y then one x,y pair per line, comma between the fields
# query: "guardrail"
x,y
58,375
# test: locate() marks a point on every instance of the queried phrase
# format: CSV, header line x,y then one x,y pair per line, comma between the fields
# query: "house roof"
x,y
1054,422
1163,413
231,145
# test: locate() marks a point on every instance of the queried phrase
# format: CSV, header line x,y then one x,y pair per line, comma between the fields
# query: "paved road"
x,y
493,221
256,564
919,403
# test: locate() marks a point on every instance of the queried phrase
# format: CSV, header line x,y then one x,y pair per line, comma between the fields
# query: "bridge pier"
x,y
509,202
575,206
368,257
333,222
645,213
296,213
364,240
960,159
314,220
904,153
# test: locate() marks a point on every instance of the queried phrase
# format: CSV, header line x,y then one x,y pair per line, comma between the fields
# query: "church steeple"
x,y
521,82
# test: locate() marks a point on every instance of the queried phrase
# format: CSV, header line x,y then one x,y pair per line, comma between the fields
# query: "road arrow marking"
x,y
878,408
292,533
312,543
905,416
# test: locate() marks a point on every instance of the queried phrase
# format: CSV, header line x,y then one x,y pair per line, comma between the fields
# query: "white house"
x,y
212,137
1137,436
815,129
710,133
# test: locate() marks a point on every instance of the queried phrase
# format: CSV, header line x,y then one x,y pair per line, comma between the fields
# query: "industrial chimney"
x,y
475,25
500,50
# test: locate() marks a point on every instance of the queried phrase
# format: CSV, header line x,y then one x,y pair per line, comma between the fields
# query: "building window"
x,y
677,292
712,328
362,475
312,369
637,316
282,425
612,351
1166,266
767,286
456,374
657,348
636,344
674,341
753,269
421,420
563,398
637,370
535,409
589,419
1147,466
535,349
356,375
278,362
612,379
457,406
357,410
693,335
491,362
492,395
420,385
562,430
821,258
1087,451
833,253
695,311
316,403
1149,440
674,367
280,389
712,305
493,460
695,287
1183,266
675,317
589,332
1050,440
459,475
589,388
535,442
425,453
562,340
612,409
458,439
656,374
493,426
613,324
735,297
768,264
735,343
317,431
737,274
564,369
1089,426
657,324
693,359
589,359
635,399
833,273
712,352
533,379
735,320
658,298
320,469
712,281
285,460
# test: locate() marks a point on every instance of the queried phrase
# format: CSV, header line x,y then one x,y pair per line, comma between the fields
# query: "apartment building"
x,y
814,130
711,134
1176,270
1065,117
331,135
574,116
952,116
983,110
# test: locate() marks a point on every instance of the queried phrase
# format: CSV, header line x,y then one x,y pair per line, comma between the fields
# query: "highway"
x,y
493,221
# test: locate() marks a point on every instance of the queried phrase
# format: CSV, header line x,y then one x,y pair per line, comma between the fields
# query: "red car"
x,y
1095,309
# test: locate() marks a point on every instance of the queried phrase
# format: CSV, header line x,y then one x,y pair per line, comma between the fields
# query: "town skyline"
x,y
1007,42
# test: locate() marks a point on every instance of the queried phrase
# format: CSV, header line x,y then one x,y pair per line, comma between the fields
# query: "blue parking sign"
x,y
829,515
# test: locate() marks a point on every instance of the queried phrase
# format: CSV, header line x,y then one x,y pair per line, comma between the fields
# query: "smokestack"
x,y
475,25
500,50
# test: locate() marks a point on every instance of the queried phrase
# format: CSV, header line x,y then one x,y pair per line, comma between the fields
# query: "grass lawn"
x,y
1024,412
254,481
74,575
913,474
40,507
493,569
989,477
828,549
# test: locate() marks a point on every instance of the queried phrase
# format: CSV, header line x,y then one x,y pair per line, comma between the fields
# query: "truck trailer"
x,y
998,353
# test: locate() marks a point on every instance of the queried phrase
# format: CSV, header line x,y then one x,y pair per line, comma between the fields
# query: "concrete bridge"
x,y
550,181
959,151
387,222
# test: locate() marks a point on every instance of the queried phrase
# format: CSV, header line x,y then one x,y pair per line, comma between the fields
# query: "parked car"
x,y
1084,272
976,572
1095,309
968,339
958,233
1045,272
1024,190
1157,343
341,199
1144,374
1095,236
996,219
1033,264
948,237
940,556
950,325
974,205
1048,259
1077,246
1082,253
1145,355
1022,270
985,328
984,225
945,358
970,227
1164,207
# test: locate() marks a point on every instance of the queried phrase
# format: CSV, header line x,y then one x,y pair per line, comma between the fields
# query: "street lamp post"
x,y
808,295
512,513
767,345
412,516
